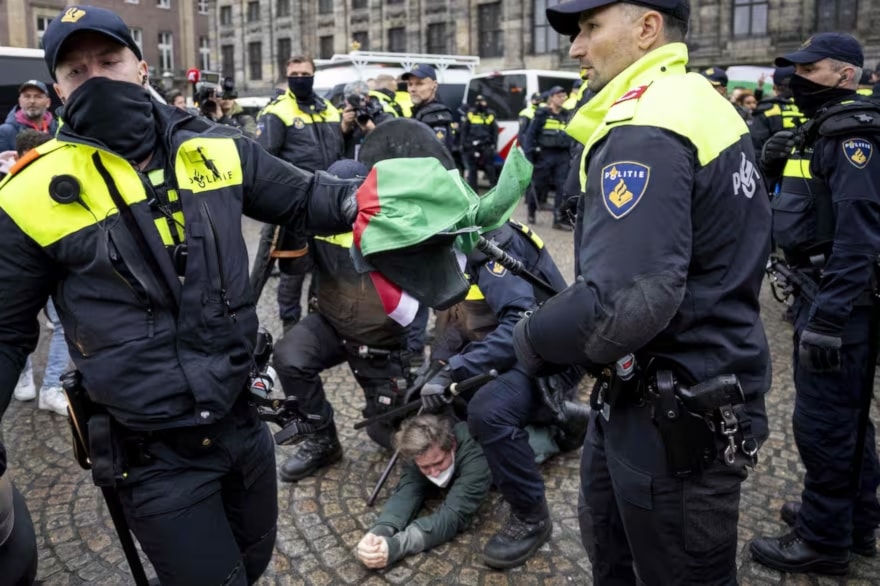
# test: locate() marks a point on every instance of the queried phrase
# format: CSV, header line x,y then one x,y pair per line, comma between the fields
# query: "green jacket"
x,y
466,491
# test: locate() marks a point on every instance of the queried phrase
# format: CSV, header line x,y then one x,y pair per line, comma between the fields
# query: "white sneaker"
x,y
25,390
53,399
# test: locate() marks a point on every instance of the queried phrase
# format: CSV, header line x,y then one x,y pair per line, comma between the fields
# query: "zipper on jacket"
x,y
223,296
125,274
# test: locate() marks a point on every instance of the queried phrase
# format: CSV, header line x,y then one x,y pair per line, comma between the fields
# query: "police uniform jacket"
x,y
526,115
436,115
462,499
673,232
547,130
157,348
843,139
307,134
771,116
479,129
348,299
478,331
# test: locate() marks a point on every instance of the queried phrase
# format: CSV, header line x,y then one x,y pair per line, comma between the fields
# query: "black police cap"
x,y
84,18
782,76
563,18
839,46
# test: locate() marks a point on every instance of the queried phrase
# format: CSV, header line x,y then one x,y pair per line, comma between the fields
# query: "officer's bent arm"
x,y
633,267
26,277
277,192
855,194
272,133
508,296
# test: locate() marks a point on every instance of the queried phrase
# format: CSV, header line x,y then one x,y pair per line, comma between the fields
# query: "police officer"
x,y
777,112
671,243
526,115
829,227
548,148
479,137
131,221
304,129
365,337
385,93
421,83
474,336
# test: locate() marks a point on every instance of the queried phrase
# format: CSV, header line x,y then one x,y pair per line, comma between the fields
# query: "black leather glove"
x,y
819,352
776,151
434,395
522,344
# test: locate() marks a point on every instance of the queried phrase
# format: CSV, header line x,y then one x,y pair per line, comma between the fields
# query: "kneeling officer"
x,y
131,221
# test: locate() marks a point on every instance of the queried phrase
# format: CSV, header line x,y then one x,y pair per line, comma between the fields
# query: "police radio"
x,y
65,189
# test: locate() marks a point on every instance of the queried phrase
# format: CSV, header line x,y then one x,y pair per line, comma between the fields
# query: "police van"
x,y
507,93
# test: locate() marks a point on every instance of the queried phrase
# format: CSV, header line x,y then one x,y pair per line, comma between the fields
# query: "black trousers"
x,y
640,525
18,554
313,346
483,157
205,507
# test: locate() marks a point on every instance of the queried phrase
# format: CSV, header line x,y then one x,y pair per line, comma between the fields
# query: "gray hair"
x,y
417,435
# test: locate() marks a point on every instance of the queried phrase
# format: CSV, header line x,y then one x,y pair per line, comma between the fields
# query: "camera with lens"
x,y
364,108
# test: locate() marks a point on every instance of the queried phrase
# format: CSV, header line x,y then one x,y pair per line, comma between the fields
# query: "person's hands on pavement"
x,y
372,551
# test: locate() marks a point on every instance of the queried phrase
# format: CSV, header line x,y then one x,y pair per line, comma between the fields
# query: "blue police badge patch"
x,y
623,185
495,269
858,152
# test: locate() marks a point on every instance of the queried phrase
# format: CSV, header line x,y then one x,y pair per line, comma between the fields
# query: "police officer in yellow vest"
x,y
777,112
479,137
350,325
385,93
304,129
671,242
131,221
548,148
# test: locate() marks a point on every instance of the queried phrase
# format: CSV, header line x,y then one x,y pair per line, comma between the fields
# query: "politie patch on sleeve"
x,y
858,151
623,185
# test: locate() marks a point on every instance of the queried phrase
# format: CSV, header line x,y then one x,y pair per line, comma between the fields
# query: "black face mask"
x,y
118,114
301,86
482,107
810,96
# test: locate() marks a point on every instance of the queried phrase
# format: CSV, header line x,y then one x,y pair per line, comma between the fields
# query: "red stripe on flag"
x,y
398,305
368,205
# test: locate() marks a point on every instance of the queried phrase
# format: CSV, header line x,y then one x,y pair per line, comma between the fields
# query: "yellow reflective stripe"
x,y
287,109
192,167
797,168
474,118
156,177
539,243
25,197
345,240
865,91
474,294
554,124
527,113
774,111
162,228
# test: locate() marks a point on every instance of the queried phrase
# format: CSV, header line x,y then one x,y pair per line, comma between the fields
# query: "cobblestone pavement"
x,y
322,518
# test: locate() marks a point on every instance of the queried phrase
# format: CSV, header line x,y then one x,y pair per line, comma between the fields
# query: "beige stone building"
x,y
252,39
173,34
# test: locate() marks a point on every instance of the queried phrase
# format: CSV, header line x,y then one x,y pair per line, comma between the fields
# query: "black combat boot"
x,y
572,429
322,449
520,537
790,553
863,542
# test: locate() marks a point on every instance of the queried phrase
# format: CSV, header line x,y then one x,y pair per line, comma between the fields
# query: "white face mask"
x,y
443,479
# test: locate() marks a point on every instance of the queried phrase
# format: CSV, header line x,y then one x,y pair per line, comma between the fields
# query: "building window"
x,y
204,53
490,32
137,35
393,1
253,12
283,53
227,58
166,51
358,4
836,15
437,38
42,25
132,1
226,15
166,4
544,38
255,61
360,41
282,8
749,17
325,6
397,40
203,6
325,47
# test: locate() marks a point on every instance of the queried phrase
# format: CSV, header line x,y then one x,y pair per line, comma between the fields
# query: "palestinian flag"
x,y
416,223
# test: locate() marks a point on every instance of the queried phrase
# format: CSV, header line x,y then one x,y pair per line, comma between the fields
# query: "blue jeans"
x,y
58,360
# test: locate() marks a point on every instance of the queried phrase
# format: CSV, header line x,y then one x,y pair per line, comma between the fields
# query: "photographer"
x,y
360,115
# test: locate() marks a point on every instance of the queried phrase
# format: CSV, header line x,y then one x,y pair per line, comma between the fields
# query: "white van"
x,y
507,93
453,72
